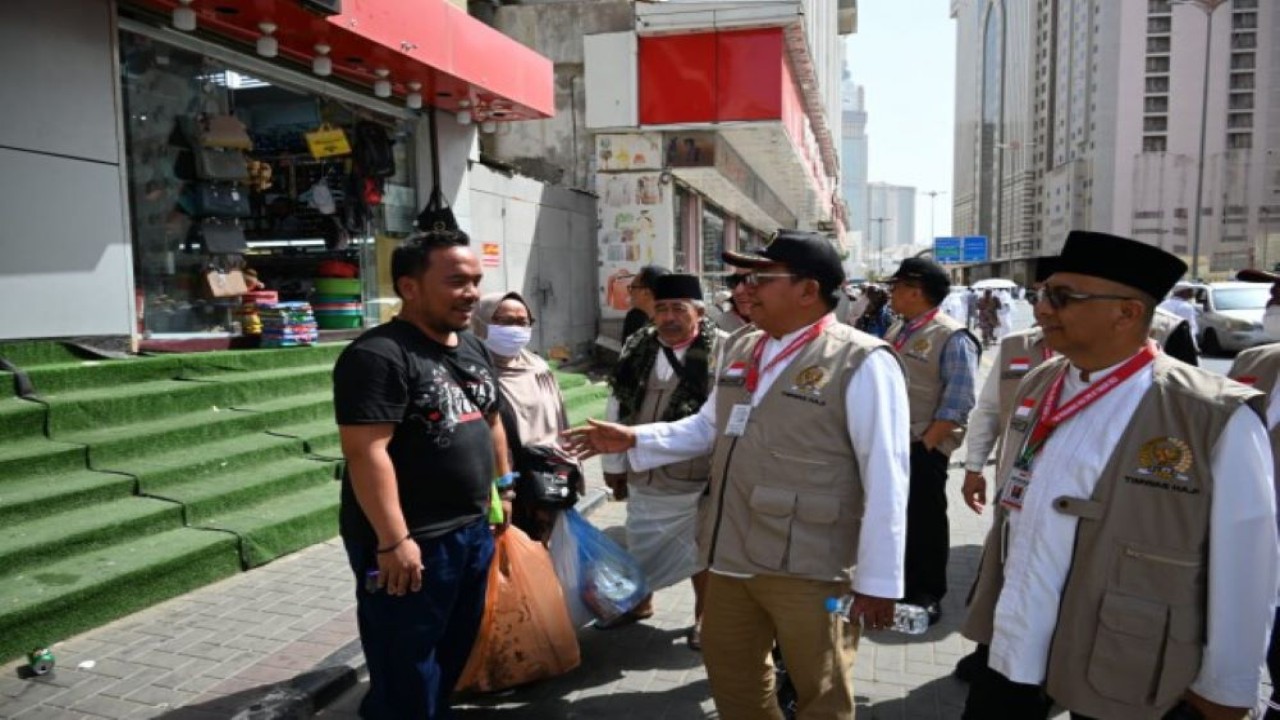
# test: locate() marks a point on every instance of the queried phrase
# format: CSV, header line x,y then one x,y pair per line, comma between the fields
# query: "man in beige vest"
x,y
807,426
665,374
941,357
1131,567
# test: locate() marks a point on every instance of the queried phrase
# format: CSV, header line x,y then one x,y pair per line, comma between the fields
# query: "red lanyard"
x,y
755,371
1051,416
913,326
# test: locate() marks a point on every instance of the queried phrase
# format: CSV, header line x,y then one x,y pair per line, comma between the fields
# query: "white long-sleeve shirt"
x,y
984,420
1243,550
617,462
878,426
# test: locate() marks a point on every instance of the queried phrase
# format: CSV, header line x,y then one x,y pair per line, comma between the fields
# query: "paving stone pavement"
x,y
265,638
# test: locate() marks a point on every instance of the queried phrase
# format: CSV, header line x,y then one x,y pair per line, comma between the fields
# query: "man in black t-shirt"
x,y
417,409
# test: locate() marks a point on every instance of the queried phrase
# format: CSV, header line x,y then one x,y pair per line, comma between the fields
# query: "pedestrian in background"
x,y
417,408
807,426
877,318
941,358
988,307
665,374
641,296
1131,568
738,314
533,413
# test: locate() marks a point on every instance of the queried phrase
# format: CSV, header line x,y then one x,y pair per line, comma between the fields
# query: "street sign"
x,y
975,249
947,250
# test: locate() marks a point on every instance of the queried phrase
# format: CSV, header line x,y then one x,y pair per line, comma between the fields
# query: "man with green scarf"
x,y
664,374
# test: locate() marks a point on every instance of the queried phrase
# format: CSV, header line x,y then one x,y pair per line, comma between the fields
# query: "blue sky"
x,y
904,55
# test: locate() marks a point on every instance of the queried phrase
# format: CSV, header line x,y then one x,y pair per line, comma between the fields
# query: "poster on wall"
x,y
637,151
636,213
491,255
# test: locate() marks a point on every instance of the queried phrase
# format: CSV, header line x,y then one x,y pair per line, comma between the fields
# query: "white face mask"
x,y
507,340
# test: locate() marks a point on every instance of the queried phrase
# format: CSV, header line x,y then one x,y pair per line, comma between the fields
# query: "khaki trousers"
x,y
742,619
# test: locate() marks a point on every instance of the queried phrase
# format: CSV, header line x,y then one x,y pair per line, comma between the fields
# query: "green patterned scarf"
x,y
631,376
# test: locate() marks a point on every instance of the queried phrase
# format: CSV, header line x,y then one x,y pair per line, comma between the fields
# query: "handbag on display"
x,y
216,164
221,200
374,155
220,237
224,131
436,216
327,141
225,283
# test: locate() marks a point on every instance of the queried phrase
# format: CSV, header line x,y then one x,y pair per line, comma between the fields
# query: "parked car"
x,y
1231,315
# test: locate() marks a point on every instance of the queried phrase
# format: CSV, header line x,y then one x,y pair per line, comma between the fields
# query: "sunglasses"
x,y
735,280
1059,297
753,278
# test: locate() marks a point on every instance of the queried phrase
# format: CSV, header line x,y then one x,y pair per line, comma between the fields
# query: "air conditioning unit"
x,y
323,7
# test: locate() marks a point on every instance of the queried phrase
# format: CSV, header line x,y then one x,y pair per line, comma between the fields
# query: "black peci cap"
x,y
677,286
1045,267
1119,259
807,254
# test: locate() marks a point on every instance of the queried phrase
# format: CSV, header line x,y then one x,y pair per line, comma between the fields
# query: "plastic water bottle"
x,y
908,619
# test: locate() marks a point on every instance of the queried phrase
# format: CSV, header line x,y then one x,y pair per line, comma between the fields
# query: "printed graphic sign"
x,y
491,255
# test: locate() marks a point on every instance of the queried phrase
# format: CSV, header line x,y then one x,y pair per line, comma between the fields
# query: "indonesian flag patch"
x,y
1020,364
1249,380
1024,410
736,370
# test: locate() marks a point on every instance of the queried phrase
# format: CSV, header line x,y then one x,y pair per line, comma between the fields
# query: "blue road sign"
x,y
975,249
947,250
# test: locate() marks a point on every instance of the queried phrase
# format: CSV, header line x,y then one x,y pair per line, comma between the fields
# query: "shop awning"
x,y
461,63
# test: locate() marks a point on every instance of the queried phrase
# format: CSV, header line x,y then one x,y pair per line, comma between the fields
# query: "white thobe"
x,y
1243,550
984,425
1183,309
876,407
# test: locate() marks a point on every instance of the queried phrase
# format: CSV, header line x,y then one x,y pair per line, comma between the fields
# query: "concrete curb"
x,y
308,693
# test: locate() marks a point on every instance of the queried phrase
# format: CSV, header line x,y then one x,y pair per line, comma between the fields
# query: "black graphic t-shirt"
x,y
442,448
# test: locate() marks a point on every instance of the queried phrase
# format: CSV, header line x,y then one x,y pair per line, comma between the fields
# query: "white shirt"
x,y
1183,309
984,420
878,422
1243,550
617,462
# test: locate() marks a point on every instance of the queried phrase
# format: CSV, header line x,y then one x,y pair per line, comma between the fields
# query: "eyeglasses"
x,y
636,286
753,278
1059,297
735,280
512,322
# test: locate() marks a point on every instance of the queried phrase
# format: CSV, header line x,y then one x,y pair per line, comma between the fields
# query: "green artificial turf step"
x,y
319,437
57,599
65,377
203,364
585,395
46,495
113,445
27,353
39,541
20,419
97,407
29,457
578,415
570,380
282,525
193,463
205,497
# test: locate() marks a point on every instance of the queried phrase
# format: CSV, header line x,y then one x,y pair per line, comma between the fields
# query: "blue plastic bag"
x,y
606,579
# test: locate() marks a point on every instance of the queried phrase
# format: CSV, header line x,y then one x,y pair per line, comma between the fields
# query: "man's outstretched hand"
x,y
598,438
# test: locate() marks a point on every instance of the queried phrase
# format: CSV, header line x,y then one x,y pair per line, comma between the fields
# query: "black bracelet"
x,y
393,546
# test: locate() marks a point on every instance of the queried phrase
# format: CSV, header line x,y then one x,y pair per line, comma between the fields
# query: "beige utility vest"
x,y
922,357
787,496
1020,353
1259,368
1131,626
681,477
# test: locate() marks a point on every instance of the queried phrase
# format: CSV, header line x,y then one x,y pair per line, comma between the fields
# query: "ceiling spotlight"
x,y
464,117
322,64
382,88
414,99
184,18
268,46
489,126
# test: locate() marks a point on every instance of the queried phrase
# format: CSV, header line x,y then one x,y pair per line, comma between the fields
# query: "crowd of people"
x,y
776,452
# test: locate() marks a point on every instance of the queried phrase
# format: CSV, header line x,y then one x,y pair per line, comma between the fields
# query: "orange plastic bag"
x,y
526,634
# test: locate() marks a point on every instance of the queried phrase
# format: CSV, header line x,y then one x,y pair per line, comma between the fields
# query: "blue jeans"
x,y
416,645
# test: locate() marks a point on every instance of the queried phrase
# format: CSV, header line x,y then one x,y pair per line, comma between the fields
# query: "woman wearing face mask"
x,y
505,324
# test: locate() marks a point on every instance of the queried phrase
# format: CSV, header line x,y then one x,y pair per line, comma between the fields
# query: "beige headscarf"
x,y
527,382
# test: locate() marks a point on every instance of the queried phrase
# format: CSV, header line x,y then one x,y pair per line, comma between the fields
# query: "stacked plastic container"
x,y
288,324
337,303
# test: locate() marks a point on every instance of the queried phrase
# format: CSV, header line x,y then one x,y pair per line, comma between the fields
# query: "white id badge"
x,y
738,418
1015,489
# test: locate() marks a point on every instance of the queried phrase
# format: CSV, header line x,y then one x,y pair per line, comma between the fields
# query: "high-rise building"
x,y
891,215
853,159
1080,114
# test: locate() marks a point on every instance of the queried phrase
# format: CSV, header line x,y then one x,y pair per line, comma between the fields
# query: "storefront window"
x,y
712,238
229,181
